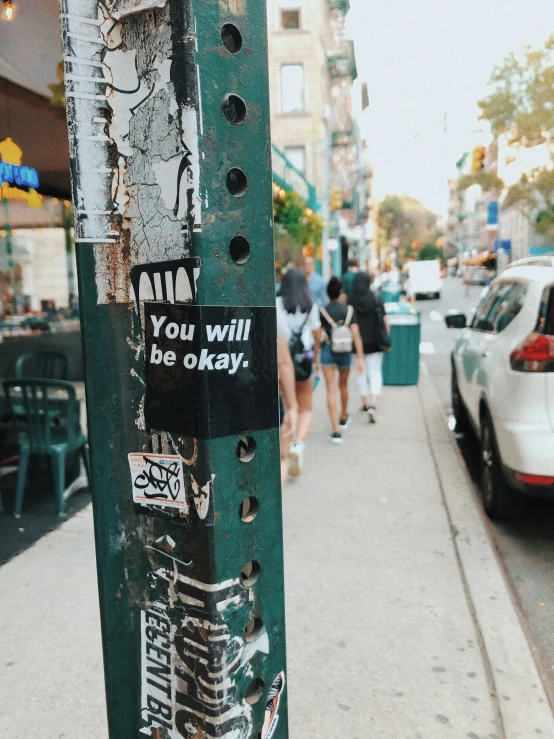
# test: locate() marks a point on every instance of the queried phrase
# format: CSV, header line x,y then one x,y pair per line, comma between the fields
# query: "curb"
x,y
521,686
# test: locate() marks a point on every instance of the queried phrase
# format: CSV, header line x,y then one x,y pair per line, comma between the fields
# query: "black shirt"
x,y
368,321
338,312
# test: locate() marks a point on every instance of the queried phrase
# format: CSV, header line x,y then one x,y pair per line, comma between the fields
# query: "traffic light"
x,y
336,200
478,159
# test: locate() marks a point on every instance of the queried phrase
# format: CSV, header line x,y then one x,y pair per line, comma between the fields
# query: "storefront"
x,y
37,264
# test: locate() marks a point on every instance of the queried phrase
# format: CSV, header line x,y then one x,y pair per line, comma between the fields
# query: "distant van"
x,y
425,277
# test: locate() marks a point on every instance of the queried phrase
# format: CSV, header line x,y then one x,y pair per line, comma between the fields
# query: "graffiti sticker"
x,y
157,479
271,717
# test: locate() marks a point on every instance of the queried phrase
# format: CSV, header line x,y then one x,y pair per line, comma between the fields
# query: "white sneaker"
x,y
344,424
296,458
372,414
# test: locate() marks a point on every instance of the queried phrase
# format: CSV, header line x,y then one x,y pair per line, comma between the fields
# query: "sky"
x,y
423,59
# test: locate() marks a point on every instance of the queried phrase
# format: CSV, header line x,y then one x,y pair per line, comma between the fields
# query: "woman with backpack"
x,y
302,315
340,336
374,330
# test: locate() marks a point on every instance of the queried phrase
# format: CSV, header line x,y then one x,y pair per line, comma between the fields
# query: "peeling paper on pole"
x,y
121,8
133,207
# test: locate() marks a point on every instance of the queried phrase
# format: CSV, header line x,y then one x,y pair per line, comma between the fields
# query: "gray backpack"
x,y
340,339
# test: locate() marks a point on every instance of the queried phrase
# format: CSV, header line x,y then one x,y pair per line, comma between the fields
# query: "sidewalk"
x,y
400,623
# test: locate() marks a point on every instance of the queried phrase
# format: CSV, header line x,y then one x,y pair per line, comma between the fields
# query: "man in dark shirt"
x,y
348,277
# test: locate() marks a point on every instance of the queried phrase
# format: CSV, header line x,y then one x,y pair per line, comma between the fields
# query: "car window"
x,y
480,322
507,304
545,322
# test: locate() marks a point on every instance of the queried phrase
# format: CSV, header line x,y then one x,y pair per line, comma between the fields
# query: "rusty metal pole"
x,y
168,115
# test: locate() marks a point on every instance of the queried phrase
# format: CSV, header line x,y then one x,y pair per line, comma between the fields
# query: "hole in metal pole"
x,y
231,37
237,184
234,109
253,629
246,448
249,509
255,691
239,248
250,573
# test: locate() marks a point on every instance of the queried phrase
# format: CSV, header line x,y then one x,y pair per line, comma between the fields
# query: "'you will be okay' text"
x,y
236,330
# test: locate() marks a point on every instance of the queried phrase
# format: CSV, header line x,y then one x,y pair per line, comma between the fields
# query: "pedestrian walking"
x,y
374,332
316,283
348,276
302,316
288,404
339,337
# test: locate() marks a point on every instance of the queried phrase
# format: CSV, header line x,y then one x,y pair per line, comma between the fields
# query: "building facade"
x,y
299,83
312,67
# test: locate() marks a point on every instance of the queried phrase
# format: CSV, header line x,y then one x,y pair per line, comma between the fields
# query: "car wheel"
x,y
501,502
458,408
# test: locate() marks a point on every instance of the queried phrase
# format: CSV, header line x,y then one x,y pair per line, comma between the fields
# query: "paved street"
x,y
400,621
527,546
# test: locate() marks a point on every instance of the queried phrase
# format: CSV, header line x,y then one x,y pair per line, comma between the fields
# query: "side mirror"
x,y
455,320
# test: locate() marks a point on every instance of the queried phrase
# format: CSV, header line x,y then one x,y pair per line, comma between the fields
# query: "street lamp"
x,y
8,10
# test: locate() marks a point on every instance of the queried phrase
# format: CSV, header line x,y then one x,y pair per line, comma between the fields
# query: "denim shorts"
x,y
332,359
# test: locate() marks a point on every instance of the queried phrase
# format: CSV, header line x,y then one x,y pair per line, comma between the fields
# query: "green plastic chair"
x,y
49,426
50,365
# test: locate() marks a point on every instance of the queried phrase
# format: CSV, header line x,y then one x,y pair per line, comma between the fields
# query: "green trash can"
x,y
401,364
390,293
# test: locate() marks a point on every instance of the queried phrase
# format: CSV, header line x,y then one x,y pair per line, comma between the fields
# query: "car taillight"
x,y
535,354
535,479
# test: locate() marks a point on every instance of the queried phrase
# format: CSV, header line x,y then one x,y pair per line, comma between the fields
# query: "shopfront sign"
x,y
18,182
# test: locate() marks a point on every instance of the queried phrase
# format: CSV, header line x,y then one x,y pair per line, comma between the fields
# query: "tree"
x,y
296,226
521,107
429,251
406,219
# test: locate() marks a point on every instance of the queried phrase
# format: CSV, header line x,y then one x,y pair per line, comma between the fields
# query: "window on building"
x,y
297,156
292,88
290,19
290,11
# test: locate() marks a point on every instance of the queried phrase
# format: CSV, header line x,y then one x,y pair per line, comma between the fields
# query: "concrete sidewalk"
x,y
400,624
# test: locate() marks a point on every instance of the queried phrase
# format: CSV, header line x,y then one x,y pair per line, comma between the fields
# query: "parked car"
x,y
503,385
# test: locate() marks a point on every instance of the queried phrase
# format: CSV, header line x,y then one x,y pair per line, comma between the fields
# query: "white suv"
x,y
503,385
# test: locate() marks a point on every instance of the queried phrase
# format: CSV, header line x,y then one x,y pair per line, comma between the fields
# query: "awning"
x,y
480,259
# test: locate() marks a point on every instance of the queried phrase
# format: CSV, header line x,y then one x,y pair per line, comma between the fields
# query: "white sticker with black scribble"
x,y
271,717
157,479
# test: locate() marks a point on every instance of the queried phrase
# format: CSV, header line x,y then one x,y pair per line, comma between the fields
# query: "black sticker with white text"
x,y
210,371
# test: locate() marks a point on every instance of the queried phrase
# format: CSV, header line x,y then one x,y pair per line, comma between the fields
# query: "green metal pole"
x,y
168,115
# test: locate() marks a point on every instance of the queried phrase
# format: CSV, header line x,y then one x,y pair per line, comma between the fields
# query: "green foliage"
x,y
521,107
408,220
304,226
486,180
429,251
545,221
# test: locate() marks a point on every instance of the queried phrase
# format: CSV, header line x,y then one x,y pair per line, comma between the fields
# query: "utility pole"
x,y
168,115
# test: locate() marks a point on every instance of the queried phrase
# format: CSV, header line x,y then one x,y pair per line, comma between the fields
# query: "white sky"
x,y
422,58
